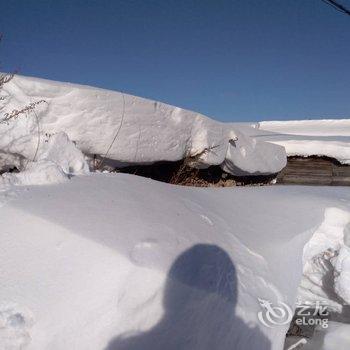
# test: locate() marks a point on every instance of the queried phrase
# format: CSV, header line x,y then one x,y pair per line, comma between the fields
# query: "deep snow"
x,y
126,129
329,138
112,261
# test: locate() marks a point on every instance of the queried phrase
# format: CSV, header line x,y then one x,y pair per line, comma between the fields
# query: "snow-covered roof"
x,y
130,129
329,138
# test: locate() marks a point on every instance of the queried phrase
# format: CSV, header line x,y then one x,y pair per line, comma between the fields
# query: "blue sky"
x,y
232,60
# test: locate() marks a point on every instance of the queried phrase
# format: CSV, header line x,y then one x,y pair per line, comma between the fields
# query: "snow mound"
x,y
42,158
61,150
127,129
36,173
330,138
246,153
326,274
104,267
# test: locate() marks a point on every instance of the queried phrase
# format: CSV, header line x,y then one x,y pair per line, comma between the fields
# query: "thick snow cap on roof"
x,y
129,129
330,138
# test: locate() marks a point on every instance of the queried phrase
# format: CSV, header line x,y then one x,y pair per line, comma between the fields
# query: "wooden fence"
x,y
314,171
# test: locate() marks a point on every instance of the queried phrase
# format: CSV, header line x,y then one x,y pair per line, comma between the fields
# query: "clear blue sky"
x,y
234,60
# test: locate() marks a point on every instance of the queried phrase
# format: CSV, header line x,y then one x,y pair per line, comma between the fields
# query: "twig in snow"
x,y
116,135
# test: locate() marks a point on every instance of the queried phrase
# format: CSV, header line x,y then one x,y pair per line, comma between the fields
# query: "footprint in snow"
x,y
15,324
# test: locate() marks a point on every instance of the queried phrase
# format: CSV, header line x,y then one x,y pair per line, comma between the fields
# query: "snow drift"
x,y
114,261
126,129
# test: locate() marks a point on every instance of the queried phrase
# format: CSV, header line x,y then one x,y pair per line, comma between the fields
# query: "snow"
x,y
327,256
53,162
329,138
336,336
126,129
15,324
247,152
63,152
36,173
321,127
113,261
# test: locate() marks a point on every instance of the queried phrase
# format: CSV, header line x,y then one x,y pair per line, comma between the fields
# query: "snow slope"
x,y
329,138
126,129
112,261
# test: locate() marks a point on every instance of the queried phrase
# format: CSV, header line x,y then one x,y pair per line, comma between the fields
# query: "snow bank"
x,y
59,149
326,279
329,138
122,262
127,129
54,160
36,173
326,273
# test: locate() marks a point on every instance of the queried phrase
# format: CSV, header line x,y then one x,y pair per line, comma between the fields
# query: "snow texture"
x,y
336,336
36,173
329,138
15,325
126,129
113,261
327,262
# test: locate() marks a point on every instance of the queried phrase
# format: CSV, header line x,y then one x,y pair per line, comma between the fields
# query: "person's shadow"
x,y
199,308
